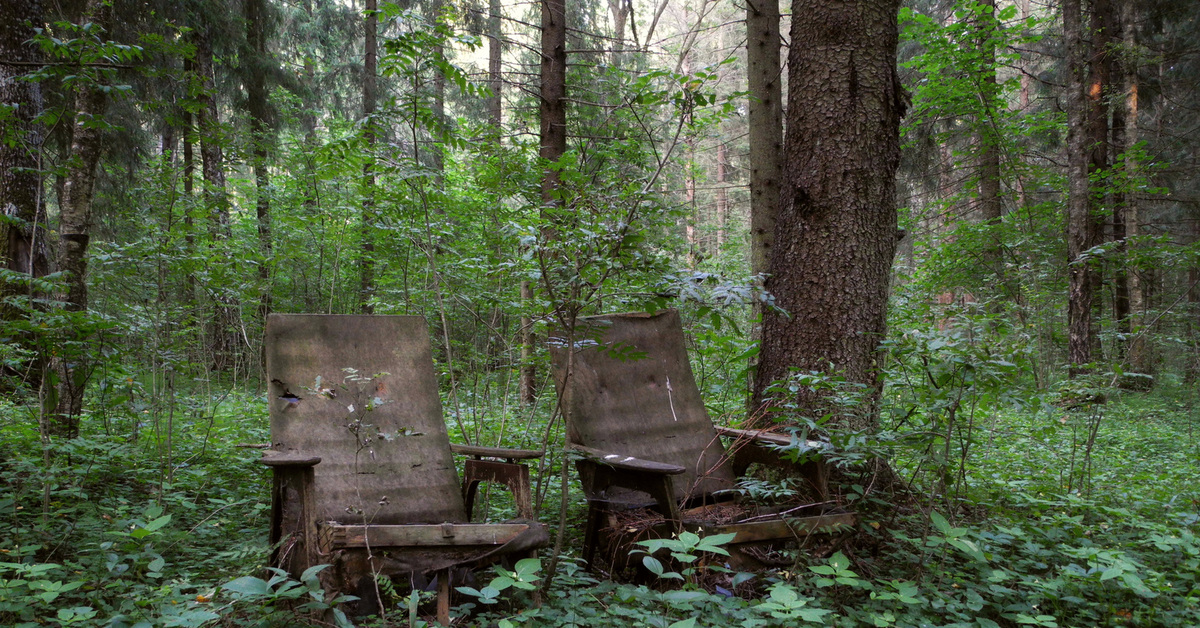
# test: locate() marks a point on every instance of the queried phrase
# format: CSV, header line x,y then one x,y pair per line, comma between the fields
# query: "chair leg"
x,y
591,533
443,600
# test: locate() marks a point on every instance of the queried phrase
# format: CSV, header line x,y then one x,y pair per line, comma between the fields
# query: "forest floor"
x,y
1043,517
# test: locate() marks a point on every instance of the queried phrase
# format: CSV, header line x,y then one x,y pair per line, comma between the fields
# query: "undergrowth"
x,y
1061,516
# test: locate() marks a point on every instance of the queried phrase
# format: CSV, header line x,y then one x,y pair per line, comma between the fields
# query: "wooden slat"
x,y
439,535
496,452
780,528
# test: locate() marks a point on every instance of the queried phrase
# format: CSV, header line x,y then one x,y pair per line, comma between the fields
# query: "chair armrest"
x,y
763,437
273,459
496,452
628,463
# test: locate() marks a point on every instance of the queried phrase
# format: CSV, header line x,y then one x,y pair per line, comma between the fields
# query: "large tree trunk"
x,y
1080,231
22,232
370,51
836,231
75,226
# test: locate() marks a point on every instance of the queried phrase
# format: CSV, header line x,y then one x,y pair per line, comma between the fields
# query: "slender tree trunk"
x,y
495,58
216,200
836,232
1098,92
75,225
189,178
553,132
766,126
1137,355
1120,196
370,50
439,109
1080,233
722,194
990,202
620,10
260,129
764,78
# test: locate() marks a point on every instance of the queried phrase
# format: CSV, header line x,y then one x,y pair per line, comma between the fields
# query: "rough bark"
x,y
22,233
75,226
836,232
370,52
1080,234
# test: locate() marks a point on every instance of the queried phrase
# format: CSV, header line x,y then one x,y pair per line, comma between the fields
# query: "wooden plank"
x,y
497,452
780,528
419,535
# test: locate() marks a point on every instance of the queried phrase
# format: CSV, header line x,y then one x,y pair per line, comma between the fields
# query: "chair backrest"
x,y
360,392
634,394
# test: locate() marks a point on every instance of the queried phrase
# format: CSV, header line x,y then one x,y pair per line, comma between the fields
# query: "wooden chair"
x,y
635,415
364,479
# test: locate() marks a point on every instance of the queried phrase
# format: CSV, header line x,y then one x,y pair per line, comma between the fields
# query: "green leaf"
x,y
158,523
690,622
653,564
940,522
248,586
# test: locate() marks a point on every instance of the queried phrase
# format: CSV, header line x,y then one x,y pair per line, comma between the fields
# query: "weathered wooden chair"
x,y
364,479
635,414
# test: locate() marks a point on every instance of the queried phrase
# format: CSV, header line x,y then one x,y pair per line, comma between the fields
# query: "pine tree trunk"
x,y
75,225
370,51
22,232
1080,232
836,232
